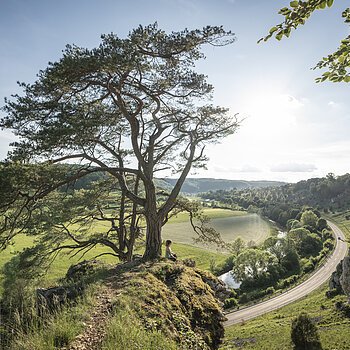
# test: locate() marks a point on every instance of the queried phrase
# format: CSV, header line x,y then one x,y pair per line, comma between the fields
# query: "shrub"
x,y
332,293
243,298
304,334
230,302
270,290
309,266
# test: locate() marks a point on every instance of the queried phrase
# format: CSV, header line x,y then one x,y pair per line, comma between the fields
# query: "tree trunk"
x,y
153,238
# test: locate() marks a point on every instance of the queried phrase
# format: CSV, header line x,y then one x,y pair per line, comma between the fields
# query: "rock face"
x,y
219,287
334,282
345,276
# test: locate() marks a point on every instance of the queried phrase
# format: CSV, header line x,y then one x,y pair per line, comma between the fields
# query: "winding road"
x,y
316,280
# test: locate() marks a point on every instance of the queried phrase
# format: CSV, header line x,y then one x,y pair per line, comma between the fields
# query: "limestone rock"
x,y
345,276
334,282
50,299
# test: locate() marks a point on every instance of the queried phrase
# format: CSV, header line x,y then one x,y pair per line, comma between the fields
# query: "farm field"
x,y
231,224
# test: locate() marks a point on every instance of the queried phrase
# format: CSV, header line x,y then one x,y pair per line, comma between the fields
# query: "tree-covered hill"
x,y
327,194
194,185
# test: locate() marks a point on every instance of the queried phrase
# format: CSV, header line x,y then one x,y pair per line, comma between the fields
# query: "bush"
x,y
230,302
309,266
243,298
304,334
287,282
332,293
327,235
328,244
270,290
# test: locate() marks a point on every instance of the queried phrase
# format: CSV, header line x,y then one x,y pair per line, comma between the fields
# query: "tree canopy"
x,y
129,108
336,63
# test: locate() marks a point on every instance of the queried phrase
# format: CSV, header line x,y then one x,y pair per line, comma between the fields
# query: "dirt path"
x,y
95,328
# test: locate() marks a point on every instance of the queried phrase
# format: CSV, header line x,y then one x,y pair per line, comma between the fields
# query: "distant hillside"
x,y
194,185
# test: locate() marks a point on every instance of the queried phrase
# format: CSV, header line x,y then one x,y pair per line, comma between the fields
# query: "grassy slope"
x,y
153,307
272,331
60,265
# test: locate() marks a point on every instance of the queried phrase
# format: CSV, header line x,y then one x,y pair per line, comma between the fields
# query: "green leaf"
x,y
279,36
330,3
273,29
294,3
341,59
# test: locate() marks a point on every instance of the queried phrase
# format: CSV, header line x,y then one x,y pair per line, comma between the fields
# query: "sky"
x,y
292,128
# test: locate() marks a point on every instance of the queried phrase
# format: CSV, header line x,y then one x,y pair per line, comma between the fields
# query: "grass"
x,y
333,326
58,329
59,267
272,331
227,222
212,213
126,332
342,222
203,257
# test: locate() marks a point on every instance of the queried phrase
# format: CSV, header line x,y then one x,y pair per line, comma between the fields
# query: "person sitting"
x,y
168,252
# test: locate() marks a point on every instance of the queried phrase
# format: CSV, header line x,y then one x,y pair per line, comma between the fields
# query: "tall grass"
x,y
125,331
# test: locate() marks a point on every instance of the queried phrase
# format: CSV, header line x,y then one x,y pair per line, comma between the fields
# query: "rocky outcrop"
x,y
84,268
50,299
219,287
339,282
334,282
345,276
182,302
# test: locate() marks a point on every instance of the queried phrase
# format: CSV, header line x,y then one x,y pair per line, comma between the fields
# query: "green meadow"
x,y
230,224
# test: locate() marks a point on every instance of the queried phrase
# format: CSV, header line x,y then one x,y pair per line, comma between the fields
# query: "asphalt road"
x,y
316,280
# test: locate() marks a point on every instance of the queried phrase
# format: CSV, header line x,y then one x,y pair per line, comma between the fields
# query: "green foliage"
x,y
306,243
337,63
251,263
293,223
322,224
125,109
287,282
230,303
236,247
304,334
309,218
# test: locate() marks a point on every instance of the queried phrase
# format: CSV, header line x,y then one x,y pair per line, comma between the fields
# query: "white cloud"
x,y
293,168
249,169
